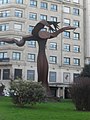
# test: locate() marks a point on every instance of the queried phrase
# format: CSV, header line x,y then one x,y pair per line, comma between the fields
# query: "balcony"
x,y
4,59
10,62
5,62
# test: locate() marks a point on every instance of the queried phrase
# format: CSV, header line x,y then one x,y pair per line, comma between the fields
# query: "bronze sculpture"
x,y
41,37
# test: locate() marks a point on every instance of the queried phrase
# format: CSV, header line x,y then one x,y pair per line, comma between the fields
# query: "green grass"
x,y
64,110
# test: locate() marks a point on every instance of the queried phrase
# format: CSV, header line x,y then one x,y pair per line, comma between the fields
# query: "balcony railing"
x,y
4,59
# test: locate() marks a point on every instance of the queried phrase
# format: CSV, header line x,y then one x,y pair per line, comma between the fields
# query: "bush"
x,y
80,93
86,71
23,92
1,89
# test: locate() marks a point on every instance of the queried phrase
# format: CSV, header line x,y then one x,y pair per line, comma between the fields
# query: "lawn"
x,y
63,110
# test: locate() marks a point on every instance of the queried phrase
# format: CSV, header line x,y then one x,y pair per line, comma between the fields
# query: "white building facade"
x,y
65,54
87,30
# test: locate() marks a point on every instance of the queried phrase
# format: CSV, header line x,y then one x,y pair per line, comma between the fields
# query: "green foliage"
x,y
1,89
23,92
80,93
80,90
86,71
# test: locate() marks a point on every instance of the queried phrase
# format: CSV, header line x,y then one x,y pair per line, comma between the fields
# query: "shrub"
x,y
1,89
80,93
23,92
86,71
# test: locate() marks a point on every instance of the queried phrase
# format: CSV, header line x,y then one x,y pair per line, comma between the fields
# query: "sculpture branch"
x,y
18,43
55,34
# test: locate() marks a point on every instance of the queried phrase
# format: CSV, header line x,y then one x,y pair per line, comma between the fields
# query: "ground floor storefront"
x,y
61,91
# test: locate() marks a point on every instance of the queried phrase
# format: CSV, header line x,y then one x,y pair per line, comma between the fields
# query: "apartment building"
x,y
87,30
65,54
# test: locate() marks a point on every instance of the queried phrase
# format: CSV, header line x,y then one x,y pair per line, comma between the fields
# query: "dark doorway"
x,y
67,94
53,91
6,74
18,73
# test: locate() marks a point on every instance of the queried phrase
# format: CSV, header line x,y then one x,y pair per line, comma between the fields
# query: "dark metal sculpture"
x,y
41,36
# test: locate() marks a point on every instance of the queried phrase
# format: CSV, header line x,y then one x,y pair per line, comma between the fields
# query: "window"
x,y
66,9
53,18
31,57
31,75
76,61
53,59
32,16
53,46
33,3
30,28
6,74
67,60
17,73
16,56
66,21
67,47
3,54
75,11
5,13
44,29
53,7
18,27
66,34
2,43
76,36
43,17
32,44
0,74
52,76
67,0
4,27
66,77
76,1
76,23
75,75
18,13
4,57
76,48
44,5
4,1
19,1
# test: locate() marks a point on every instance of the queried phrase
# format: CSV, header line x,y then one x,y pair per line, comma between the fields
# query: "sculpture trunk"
x,y
42,66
